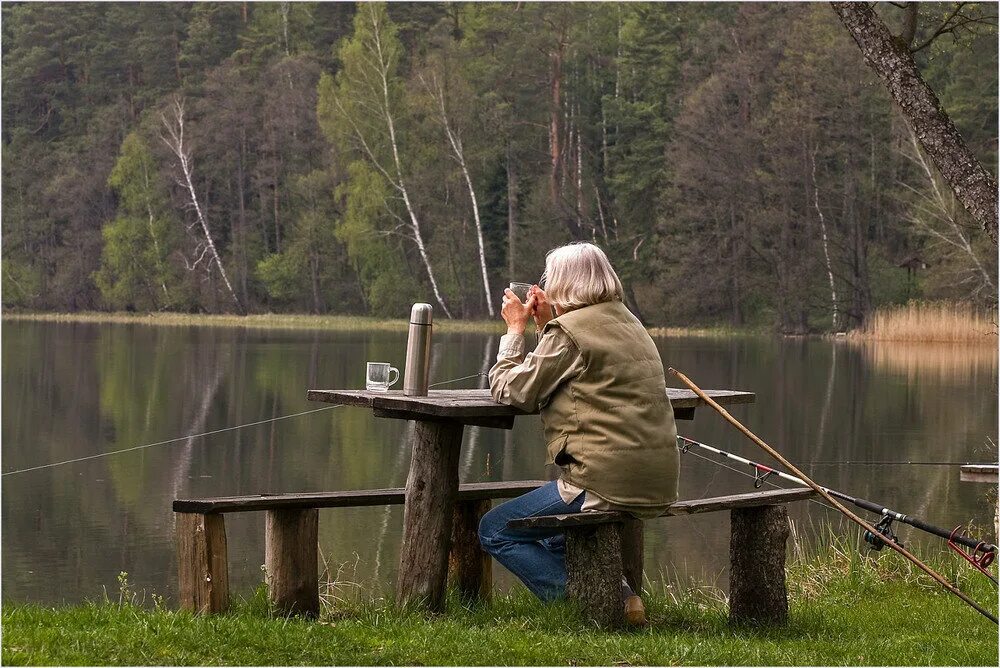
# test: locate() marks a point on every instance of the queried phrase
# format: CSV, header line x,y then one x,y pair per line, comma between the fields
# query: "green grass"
x,y
845,610
330,322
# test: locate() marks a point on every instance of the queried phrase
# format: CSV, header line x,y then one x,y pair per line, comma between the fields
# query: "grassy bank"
x,y
845,610
328,322
259,321
952,322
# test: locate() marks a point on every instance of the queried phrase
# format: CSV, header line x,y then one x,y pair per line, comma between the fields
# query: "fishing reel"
x,y
876,541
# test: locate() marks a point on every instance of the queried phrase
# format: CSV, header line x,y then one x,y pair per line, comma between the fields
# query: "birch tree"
x,y
435,88
205,249
934,212
362,108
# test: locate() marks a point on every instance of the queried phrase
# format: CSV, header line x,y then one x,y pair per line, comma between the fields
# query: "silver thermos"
x,y
418,351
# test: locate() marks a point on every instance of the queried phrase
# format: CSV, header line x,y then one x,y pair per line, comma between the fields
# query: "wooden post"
x,y
632,547
291,560
469,566
757,593
594,572
202,568
431,488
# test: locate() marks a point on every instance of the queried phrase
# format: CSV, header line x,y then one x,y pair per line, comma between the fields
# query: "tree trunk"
x,y
383,70
176,144
161,272
314,279
242,211
826,246
511,214
555,147
891,60
456,146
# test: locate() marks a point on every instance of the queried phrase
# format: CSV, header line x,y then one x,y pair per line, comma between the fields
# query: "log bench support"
x,y
603,546
594,572
291,541
202,562
600,547
291,561
757,591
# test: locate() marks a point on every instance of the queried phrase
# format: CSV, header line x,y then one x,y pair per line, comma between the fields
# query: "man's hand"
x,y
543,309
514,313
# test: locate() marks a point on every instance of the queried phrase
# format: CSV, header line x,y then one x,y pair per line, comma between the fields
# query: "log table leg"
x,y
594,572
431,488
202,567
469,566
757,593
291,561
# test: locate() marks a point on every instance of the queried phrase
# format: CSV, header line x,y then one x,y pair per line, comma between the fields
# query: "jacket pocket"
x,y
556,449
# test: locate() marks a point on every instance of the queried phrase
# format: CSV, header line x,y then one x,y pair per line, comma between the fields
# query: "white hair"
x,y
578,275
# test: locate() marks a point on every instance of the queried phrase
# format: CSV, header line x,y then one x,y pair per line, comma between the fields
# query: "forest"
x,y
739,162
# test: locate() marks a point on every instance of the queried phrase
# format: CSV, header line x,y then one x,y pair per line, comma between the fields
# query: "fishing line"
x,y
171,440
205,433
889,463
455,380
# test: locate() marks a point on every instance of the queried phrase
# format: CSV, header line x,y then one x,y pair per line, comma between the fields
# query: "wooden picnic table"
x,y
432,483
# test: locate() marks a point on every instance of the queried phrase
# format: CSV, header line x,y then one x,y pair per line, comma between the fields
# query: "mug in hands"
x,y
521,290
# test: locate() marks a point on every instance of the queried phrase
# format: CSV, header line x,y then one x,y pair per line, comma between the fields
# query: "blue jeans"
x,y
536,556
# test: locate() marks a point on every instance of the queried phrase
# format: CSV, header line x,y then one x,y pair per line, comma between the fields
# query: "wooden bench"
x,y
291,537
602,546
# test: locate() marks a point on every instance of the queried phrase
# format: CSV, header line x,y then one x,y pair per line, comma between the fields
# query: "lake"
x,y
73,390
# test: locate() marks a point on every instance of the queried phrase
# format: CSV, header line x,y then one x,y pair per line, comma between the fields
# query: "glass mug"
x,y
377,379
521,290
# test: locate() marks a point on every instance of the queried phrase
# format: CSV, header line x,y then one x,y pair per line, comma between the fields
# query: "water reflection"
x,y
72,390
958,363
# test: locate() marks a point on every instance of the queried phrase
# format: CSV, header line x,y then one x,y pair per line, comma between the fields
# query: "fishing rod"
x,y
983,553
896,547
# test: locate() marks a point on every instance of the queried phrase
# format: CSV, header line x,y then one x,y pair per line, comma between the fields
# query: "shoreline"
x,y
354,323
291,321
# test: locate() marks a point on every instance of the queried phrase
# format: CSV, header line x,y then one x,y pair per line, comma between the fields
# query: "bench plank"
x,y
693,507
346,499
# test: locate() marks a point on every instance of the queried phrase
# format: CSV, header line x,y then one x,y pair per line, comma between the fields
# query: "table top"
x,y
459,404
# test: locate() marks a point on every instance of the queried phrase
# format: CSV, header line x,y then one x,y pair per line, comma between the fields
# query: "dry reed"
x,y
954,322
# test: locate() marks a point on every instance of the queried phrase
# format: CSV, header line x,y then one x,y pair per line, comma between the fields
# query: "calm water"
x,y
72,390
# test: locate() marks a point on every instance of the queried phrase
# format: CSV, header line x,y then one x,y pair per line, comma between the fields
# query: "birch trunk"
x,y
972,184
941,209
456,146
383,70
826,245
152,234
175,142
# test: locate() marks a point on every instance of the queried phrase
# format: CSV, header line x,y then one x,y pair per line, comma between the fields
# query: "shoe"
x,y
635,611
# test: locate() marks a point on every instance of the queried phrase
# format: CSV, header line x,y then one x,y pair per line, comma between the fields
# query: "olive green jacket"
x,y
597,379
